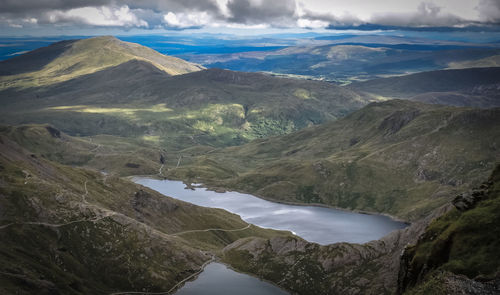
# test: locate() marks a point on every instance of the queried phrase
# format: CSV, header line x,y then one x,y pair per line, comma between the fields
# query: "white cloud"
x,y
312,24
187,20
106,16
182,14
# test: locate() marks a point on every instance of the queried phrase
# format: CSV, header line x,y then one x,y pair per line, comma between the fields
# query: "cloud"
x,y
428,14
489,10
326,19
104,16
182,14
187,20
251,12
30,6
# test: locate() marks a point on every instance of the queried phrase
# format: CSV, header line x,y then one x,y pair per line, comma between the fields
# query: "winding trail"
x,y
84,196
174,287
211,229
106,215
179,161
192,275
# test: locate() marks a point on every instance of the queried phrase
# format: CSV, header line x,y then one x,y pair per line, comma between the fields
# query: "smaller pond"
x,y
315,224
217,279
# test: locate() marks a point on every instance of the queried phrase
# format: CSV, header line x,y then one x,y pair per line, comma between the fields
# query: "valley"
x,y
126,171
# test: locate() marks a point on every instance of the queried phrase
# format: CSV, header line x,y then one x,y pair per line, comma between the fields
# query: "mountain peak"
x,y
67,60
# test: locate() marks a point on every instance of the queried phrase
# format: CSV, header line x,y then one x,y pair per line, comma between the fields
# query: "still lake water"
x,y
314,224
217,279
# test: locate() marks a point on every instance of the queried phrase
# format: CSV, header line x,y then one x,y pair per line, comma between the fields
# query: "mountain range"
x,y
79,116
350,58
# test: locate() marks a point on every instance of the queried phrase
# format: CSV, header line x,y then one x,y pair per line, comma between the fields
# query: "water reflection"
x,y
217,279
315,224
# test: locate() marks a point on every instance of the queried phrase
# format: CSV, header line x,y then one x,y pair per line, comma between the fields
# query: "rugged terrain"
x,y
451,251
63,228
459,250
81,113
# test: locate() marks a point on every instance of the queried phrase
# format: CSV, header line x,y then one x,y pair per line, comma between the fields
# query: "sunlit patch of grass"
x,y
303,93
212,112
130,113
152,138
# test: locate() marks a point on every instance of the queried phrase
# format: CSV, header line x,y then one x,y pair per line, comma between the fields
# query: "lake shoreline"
x,y
327,225
219,189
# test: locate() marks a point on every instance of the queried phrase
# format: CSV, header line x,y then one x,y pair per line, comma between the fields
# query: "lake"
x,y
314,224
217,279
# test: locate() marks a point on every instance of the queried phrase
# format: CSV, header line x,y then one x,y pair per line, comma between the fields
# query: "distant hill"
x,y
138,98
351,59
482,99
398,157
487,62
69,59
477,87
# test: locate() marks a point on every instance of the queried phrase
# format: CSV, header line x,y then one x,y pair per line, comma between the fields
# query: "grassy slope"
x,y
112,234
206,108
460,242
490,61
111,154
435,81
398,157
67,60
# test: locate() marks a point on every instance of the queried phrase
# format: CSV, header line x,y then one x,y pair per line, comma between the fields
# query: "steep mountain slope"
x,y
458,247
462,87
74,231
451,251
66,60
207,108
397,157
340,268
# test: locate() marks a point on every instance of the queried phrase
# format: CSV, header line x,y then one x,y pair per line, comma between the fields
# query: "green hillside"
x,y
459,246
68,230
397,157
211,108
407,86
67,60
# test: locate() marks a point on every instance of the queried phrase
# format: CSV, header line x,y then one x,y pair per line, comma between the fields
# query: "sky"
x,y
89,17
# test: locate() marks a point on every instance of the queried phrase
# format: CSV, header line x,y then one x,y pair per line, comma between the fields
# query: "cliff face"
x,y
459,250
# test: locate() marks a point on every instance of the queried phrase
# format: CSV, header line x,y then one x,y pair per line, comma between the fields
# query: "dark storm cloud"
x,y
427,14
489,10
24,6
275,13
209,6
258,12
27,6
